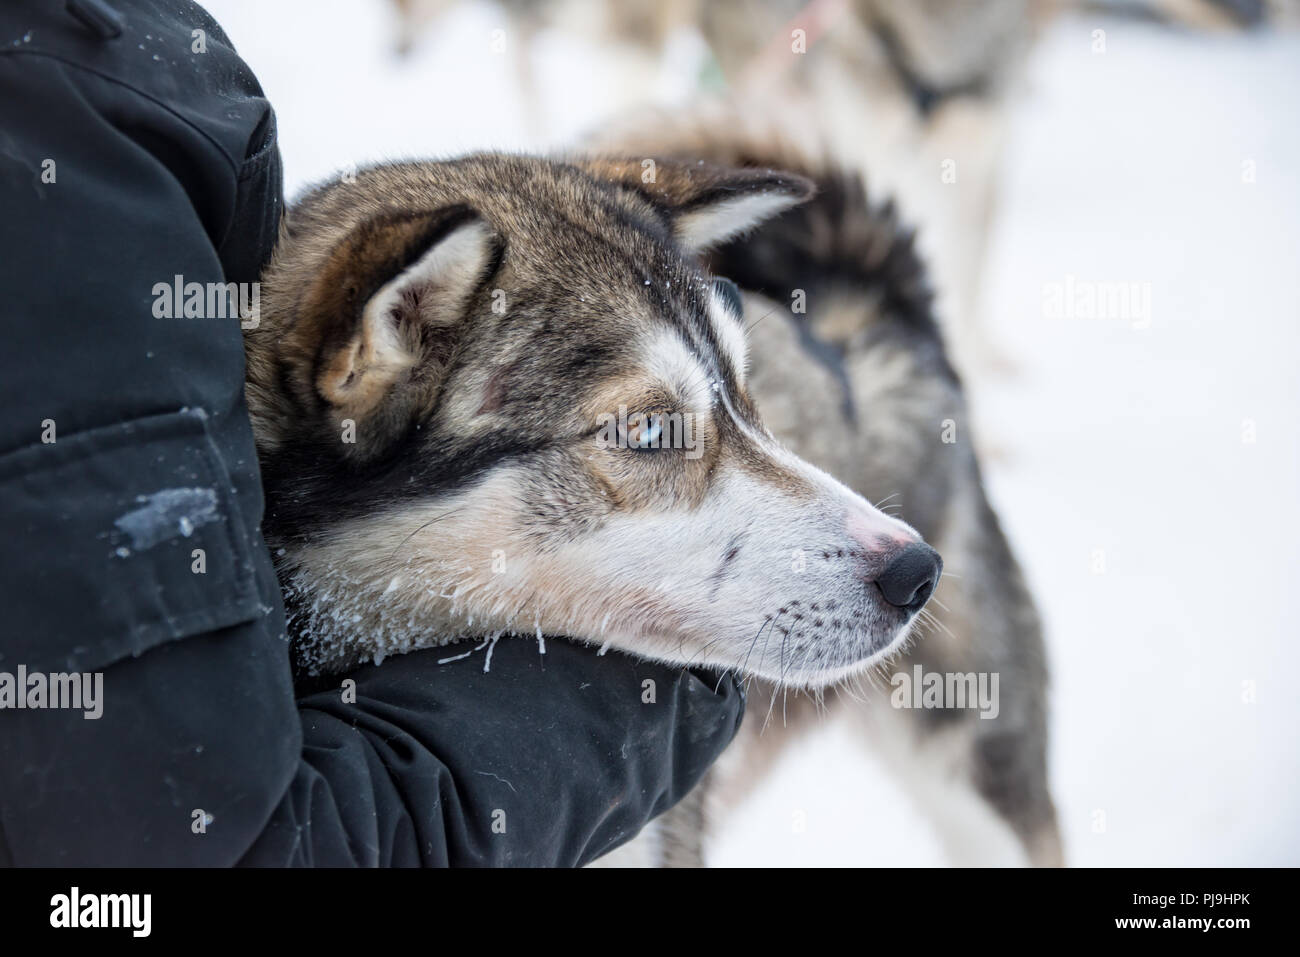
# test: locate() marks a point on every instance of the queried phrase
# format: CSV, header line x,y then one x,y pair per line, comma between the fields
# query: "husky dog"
x,y
506,395
466,389
848,367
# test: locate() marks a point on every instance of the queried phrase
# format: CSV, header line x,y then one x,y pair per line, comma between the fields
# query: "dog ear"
x,y
384,315
706,204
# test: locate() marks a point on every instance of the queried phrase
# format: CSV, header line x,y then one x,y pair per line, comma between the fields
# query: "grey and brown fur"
x,y
437,341
860,385
437,346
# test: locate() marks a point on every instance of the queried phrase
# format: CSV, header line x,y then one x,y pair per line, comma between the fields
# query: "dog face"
x,y
500,395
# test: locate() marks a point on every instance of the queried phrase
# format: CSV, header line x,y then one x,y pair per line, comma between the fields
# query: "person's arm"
x,y
130,504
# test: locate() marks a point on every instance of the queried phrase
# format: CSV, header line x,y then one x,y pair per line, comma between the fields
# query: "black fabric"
x,y
165,164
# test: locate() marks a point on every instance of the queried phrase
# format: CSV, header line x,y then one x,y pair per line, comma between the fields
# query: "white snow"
x,y
1125,167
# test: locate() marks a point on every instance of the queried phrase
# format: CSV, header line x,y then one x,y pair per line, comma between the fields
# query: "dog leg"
x,y
680,837
680,831
1010,773
984,793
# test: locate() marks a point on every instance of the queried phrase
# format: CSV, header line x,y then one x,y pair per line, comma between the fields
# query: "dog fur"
x,y
438,343
438,340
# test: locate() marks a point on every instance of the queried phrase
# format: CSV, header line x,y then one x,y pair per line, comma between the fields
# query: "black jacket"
x,y
129,157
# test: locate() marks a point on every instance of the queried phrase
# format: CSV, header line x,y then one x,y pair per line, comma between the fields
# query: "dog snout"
x,y
910,577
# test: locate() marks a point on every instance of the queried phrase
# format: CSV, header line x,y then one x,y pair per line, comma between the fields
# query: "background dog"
x,y
918,92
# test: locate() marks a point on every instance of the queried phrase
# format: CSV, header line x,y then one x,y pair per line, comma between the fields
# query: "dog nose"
x,y
910,578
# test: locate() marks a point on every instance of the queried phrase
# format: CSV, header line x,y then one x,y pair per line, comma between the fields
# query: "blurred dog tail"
x,y
841,239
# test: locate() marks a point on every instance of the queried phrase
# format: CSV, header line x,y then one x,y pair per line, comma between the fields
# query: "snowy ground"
x,y
1147,471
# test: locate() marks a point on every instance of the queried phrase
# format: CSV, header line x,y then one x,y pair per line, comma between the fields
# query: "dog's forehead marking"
x,y
730,332
670,360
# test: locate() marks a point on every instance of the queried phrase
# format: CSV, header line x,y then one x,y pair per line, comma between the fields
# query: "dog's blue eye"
x,y
645,434
729,293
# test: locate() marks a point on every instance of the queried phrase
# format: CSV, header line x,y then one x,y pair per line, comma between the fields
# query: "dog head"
x,y
500,395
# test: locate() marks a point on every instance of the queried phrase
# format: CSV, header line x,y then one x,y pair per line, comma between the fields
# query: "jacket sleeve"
x,y
133,569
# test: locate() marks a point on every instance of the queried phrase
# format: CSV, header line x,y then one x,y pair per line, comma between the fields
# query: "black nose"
x,y
908,580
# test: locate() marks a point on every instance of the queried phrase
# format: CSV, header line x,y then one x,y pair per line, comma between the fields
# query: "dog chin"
x,y
813,679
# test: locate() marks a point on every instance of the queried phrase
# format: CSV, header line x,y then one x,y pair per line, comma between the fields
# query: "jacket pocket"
x,y
119,539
